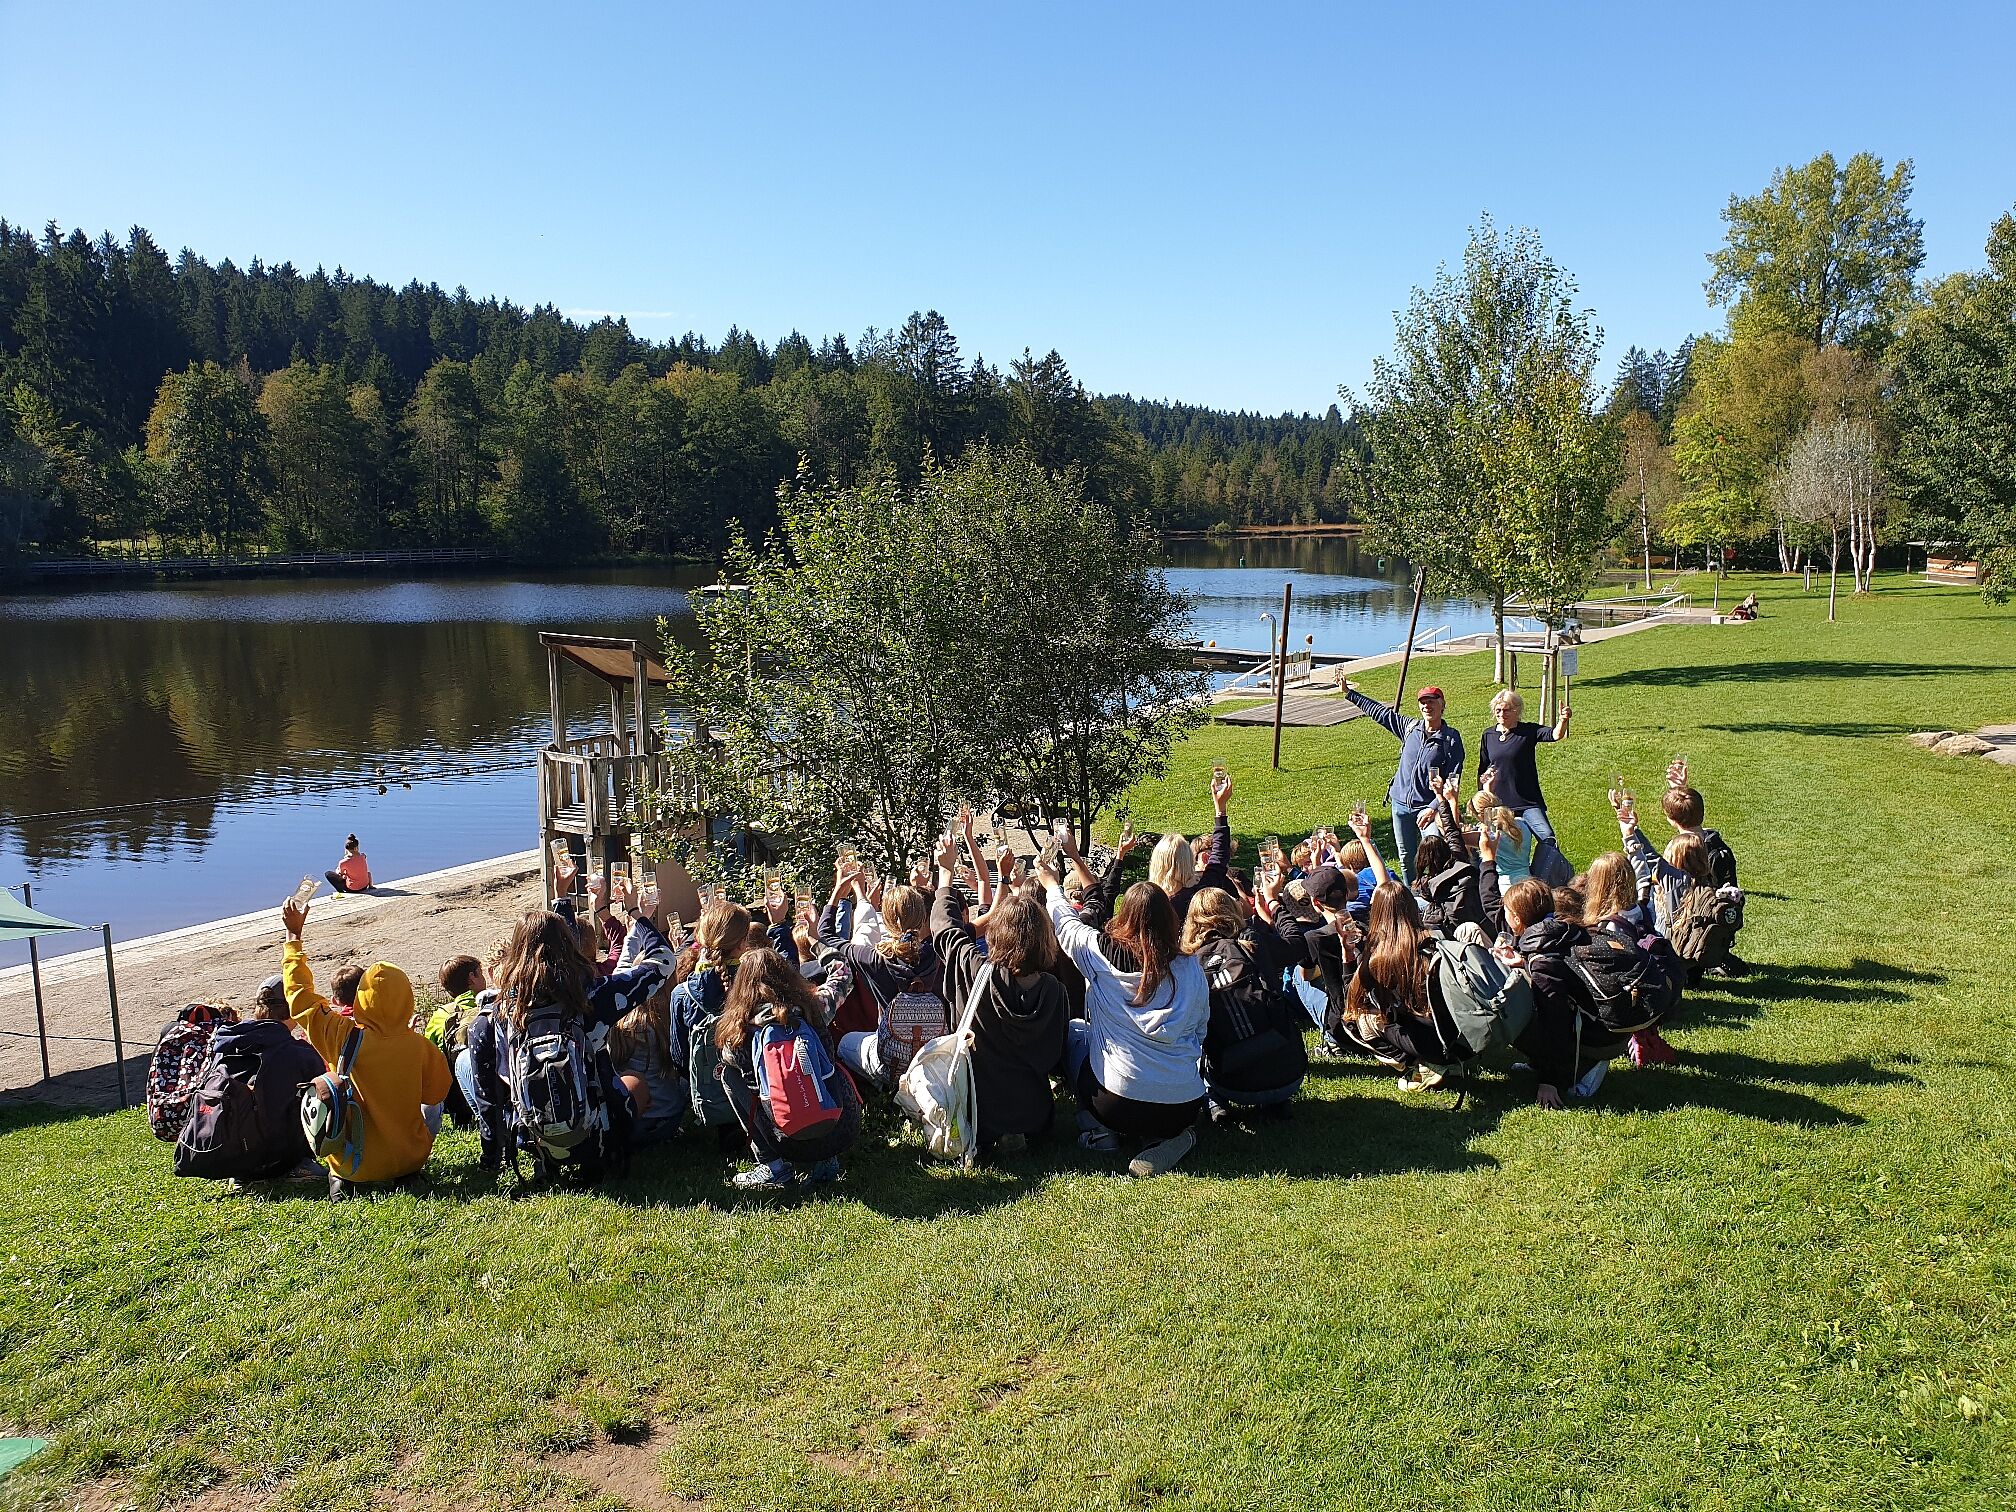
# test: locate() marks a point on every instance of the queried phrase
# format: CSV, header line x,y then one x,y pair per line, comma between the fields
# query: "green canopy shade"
x,y
20,922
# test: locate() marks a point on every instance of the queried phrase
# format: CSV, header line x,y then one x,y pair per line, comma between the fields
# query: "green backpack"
x,y
1491,1003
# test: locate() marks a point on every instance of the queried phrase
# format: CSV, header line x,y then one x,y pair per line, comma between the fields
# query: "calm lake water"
x,y
170,755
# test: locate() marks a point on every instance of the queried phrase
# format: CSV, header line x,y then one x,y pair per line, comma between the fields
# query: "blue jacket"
x,y
1419,750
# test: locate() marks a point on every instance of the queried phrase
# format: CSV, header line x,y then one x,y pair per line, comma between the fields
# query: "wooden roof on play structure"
x,y
611,659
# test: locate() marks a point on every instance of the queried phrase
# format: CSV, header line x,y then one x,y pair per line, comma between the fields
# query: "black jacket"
x,y
1018,1032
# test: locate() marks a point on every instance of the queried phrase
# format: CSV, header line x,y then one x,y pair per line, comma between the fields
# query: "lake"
x,y
173,754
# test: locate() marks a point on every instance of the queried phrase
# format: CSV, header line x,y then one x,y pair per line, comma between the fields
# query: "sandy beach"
x,y
415,923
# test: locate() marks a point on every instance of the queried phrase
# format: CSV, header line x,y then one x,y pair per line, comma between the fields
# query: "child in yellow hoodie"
x,y
396,1071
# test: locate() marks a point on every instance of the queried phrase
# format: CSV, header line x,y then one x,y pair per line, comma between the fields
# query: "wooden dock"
x,y
1310,710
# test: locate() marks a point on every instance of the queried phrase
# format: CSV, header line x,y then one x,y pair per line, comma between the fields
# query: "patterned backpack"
x,y
177,1068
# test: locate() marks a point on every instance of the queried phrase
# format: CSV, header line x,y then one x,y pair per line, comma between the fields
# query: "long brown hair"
x,y
542,963
1612,888
764,979
652,1017
906,914
1146,925
1019,937
1393,960
1527,902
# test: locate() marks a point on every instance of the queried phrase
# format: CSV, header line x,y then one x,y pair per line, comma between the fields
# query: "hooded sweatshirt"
x,y
1144,1051
1018,1029
396,1070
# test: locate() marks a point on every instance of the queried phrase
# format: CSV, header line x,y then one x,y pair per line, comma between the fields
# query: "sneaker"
x,y
339,1189
1159,1159
827,1170
1649,1048
1105,1141
1420,1079
1328,1049
764,1178
309,1170
1591,1080
1219,1114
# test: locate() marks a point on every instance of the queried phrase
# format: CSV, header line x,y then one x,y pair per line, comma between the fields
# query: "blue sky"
x,y
1217,204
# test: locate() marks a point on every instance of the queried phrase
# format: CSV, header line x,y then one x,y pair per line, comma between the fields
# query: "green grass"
x,y
1779,1274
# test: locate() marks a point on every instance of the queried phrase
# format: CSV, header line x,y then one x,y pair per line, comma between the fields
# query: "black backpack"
x,y
1721,859
560,1109
1253,1042
1634,980
244,1118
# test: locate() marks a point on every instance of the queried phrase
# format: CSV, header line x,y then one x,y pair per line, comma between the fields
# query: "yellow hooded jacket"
x,y
396,1069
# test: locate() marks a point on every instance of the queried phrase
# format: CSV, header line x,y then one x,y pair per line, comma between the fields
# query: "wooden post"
x,y
1281,667
638,687
35,971
553,698
118,1043
1407,652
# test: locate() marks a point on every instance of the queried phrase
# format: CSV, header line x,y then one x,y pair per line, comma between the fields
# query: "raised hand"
x,y
293,915
947,854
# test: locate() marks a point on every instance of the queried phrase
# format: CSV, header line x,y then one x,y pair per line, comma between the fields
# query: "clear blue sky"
x,y
1212,203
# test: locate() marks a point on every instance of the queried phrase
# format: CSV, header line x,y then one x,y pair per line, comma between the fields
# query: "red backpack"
x,y
792,1070
177,1068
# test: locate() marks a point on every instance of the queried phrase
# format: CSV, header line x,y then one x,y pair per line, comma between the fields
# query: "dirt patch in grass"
x,y
627,1471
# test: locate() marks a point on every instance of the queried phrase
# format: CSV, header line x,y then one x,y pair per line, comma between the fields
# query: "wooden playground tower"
x,y
589,784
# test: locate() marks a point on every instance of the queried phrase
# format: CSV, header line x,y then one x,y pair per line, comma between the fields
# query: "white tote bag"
x,y
937,1089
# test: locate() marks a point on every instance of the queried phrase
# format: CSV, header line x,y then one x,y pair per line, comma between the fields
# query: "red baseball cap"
x,y
1431,691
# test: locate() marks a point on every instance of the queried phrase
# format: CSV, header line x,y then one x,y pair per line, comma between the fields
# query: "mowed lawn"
x,y
1779,1274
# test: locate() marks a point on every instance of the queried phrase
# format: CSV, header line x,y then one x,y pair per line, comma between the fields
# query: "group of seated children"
x,y
1179,999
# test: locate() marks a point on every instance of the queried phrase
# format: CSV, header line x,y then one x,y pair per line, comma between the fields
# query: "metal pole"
x,y
118,1044
1281,668
1407,654
35,971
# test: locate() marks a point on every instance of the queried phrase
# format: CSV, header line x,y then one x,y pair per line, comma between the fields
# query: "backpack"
x,y
177,1066
1703,927
938,1091
1490,1003
1253,1041
1721,859
238,1125
332,1120
703,1062
1549,865
1634,981
556,1094
915,1016
791,1070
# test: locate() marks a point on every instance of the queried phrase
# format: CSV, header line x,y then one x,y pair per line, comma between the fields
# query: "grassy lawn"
x,y
1779,1274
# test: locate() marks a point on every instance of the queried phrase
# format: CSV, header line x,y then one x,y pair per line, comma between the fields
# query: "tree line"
x,y
1846,406
216,407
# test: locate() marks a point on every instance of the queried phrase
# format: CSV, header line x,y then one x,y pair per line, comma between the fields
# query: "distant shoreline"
x,y
1248,532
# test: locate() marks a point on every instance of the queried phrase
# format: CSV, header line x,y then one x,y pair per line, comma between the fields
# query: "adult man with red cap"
x,y
1429,749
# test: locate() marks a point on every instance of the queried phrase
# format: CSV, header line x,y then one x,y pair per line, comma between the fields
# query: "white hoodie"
x,y
1147,1051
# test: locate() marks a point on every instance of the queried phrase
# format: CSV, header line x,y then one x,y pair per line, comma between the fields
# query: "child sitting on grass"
x,y
396,1073
798,1108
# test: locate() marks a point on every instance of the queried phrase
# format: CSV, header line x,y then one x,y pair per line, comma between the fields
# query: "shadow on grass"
x,y
1774,671
88,1090
1861,980
1660,1089
1855,1071
20,1111
1848,729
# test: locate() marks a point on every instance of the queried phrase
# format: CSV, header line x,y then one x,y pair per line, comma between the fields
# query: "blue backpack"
x,y
703,1058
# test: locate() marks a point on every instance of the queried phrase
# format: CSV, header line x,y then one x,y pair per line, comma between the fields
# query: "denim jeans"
x,y
1315,1001
1406,835
862,1051
1535,819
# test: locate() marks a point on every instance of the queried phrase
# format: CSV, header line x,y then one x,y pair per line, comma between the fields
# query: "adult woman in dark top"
x,y
1018,1031
1506,751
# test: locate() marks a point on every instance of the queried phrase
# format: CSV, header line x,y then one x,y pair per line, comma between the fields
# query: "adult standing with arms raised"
x,y
1506,753
1430,749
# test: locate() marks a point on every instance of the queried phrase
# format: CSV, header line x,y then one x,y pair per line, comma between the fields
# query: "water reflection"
x,y
169,755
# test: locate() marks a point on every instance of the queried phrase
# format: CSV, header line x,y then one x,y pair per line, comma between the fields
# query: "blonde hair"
x,y
1509,698
1497,815
1173,866
721,934
905,914
1612,888
1686,851
1214,914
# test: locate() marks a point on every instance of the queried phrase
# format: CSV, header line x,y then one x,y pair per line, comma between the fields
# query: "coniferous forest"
x,y
215,408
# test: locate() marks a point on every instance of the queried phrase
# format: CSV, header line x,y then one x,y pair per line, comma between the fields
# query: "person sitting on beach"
x,y
394,1076
353,872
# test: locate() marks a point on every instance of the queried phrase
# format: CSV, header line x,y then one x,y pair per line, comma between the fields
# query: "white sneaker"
x,y
1159,1159
1591,1080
